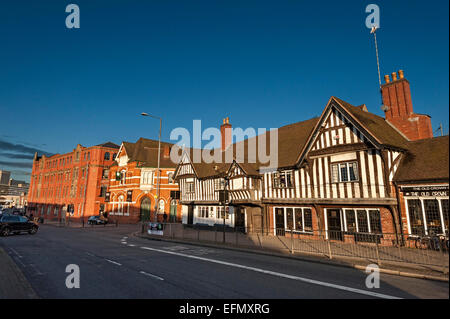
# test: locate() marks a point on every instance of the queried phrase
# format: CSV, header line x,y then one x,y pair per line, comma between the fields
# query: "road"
x,y
115,264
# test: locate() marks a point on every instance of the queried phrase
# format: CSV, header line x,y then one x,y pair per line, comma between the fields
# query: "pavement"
x,y
13,284
114,264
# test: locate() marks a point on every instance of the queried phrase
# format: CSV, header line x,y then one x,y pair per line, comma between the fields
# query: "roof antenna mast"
x,y
374,32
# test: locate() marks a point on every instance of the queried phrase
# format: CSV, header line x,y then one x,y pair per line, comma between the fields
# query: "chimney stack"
x,y
398,108
225,132
166,151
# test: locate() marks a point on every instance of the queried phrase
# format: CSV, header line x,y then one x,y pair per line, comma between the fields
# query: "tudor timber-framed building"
x,y
343,171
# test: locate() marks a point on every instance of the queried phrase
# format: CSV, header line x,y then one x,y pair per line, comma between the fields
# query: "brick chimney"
x,y
398,108
166,151
225,132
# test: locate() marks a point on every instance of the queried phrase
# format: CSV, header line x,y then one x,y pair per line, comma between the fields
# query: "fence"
x,y
377,248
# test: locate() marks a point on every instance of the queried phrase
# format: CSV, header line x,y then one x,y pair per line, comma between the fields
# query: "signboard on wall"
x,y
431,191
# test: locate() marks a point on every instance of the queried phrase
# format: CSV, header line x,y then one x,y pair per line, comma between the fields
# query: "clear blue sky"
x,y
262,63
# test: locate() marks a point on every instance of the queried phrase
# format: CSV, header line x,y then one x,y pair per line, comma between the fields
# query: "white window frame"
x,y
425,226
348,172
293,219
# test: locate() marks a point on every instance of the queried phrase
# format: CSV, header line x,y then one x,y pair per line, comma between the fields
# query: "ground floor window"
x,y
296,218
427,216
221,211
362,220
203,211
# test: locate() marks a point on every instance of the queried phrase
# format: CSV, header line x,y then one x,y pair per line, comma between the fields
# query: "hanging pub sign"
x,y
107,196
432,191
129,196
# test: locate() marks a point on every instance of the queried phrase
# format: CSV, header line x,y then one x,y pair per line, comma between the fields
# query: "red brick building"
x,y
133,184
73,182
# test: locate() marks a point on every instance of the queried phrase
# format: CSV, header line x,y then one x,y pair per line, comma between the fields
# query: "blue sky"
x,y
262,63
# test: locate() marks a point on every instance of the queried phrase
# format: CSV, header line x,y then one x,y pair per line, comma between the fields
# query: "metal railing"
x,y
379,248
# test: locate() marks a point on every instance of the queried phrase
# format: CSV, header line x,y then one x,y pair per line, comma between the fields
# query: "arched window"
x,y
107,156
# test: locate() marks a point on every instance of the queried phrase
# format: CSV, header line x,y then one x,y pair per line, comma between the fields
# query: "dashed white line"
x,y
131,245
113,262
273,273
150,275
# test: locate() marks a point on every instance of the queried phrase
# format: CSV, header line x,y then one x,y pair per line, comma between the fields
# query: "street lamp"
x,y
159,156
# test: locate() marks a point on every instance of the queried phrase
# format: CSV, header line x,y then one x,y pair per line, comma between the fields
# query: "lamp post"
x,y
159,157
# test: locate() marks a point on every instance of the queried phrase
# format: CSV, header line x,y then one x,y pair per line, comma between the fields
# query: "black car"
x,y
16,224
96,220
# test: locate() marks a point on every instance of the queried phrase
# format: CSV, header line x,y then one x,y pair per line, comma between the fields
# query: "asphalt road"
x,y
115,264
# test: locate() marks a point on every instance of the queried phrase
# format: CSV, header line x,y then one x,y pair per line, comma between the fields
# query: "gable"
x,y
335,130
184,167
235,171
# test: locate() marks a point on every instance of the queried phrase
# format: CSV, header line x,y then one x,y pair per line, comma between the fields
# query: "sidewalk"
x,y
393,260
13,284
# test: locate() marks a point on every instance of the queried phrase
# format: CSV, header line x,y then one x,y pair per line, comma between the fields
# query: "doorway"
x,y
279,222
173,211
334,224
146,205
239,222
190,219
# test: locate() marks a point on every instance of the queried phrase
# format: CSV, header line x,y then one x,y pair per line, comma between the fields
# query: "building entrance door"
x,y
239,222
190,219
173,211
334,224
146,206
279,222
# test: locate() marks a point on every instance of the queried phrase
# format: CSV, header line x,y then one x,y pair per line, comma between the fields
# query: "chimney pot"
x,y
387,79
394,76
401,74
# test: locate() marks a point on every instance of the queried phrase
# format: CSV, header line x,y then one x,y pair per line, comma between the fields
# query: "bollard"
x,y
235,230
142,228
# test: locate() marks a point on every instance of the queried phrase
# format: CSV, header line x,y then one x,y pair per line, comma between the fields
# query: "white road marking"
x,y
113,262
131,245
273,273
123,242
15,252
150,275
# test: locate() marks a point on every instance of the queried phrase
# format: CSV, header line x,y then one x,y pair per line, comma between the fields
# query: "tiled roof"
x,y
425,159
